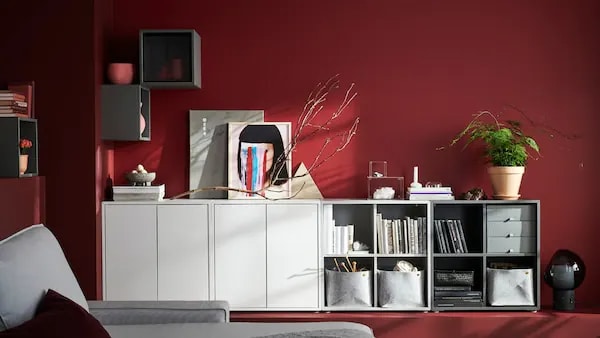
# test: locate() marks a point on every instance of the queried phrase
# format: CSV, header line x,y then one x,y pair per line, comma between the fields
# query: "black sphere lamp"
x,y
564,273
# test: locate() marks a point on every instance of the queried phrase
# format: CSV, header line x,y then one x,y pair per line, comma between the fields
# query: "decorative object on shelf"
x,y
359,247
382,186
140,176
415,183
120,73
108,189
405,266
142,121
24,145
506,149
303,185
564,273
474,194
384,193
253,166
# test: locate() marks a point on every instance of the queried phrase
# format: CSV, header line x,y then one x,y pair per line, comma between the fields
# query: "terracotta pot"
x,y
120,73
506,182
23,161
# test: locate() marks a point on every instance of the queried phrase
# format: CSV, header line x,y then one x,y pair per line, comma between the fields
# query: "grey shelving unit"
x,y
362,214
122,106
496,231
170,59
12,129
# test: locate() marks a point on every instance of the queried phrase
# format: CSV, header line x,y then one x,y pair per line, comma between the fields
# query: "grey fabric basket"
x,y
401,289
348,288
510,287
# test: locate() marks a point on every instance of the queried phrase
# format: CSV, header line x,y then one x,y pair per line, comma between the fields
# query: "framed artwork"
x,y
257,161
208,148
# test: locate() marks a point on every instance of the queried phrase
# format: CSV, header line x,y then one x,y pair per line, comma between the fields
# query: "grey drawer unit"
x,y
511,229
505,213
511,245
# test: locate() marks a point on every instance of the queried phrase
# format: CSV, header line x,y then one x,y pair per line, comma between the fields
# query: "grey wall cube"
x,y
12,130
123,107
170,58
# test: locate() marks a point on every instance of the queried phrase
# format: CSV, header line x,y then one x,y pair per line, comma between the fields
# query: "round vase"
x,y
142,124
120,73
23,161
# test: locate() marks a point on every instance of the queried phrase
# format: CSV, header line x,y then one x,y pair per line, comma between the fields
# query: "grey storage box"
x,y
510,287
348,288
401,289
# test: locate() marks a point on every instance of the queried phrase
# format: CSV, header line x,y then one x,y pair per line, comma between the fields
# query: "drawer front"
x,y
511,229
511,245
505,213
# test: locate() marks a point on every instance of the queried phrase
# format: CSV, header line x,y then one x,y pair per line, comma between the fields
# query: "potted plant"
x,y
507,148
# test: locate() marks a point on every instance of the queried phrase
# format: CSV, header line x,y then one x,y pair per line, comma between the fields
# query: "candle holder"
x,y
380,185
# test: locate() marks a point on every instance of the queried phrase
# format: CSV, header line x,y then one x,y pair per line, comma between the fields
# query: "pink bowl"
x,y
120,73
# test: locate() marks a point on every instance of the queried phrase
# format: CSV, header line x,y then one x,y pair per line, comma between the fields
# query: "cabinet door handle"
x,y
510,234
509,251
508,219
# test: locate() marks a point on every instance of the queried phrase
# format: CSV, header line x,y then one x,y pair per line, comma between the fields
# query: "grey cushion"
x,y
242,330
159,312
31,262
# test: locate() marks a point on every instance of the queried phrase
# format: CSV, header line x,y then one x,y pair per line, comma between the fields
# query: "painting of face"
x,y
257,153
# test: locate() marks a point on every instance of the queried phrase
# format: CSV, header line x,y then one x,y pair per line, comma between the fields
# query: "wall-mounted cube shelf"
x,y
170,58
12,130
126,113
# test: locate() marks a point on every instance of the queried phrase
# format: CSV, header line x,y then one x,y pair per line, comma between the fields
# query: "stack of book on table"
x,y
430,193
139,193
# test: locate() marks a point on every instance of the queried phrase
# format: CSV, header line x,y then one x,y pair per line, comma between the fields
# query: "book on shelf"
x,y
139,193
401,236
23,115
339,238
450,236
12,103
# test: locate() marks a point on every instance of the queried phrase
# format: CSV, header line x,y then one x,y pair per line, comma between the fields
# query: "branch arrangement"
x,y
307,127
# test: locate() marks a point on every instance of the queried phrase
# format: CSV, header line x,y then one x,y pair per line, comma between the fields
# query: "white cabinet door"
x,y
240,255
130,252
292,256
183,252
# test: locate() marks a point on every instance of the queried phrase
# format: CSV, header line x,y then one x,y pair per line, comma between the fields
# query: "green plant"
x,y
506,144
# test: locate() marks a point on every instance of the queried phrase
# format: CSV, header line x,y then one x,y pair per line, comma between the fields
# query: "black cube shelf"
x,y
169,58
12,130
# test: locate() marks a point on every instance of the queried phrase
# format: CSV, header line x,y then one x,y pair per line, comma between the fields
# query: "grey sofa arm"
x,y
159,312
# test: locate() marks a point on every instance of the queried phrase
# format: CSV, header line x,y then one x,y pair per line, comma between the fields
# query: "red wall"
x,y
420,69
59,44
22,203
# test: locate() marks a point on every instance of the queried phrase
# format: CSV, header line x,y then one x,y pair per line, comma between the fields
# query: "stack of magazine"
x,y
429,193
139,193
455,289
